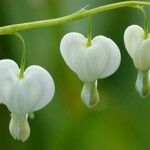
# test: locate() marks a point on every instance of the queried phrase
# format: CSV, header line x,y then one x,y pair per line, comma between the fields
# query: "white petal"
x,y
98,61
138,47
72,47
19,127
8,75
142,55
103,58
133,34
33,92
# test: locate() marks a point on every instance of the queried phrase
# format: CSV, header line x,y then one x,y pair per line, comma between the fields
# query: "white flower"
x,y
22,96
97,61
138,47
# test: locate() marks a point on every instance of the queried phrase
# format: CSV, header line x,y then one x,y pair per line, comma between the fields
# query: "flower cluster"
x,y
35,88
102,58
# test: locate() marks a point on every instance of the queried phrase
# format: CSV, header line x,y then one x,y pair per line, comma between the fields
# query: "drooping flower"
x,y
99,60
24,95
138,47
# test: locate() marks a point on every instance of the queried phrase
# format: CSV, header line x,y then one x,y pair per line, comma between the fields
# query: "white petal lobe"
x,y
138,47
72,47
19,127
33,92
142,55
133,34
103,58
8,75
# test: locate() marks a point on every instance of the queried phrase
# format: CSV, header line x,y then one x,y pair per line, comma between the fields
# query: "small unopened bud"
x,y
31,115
90,94
19,127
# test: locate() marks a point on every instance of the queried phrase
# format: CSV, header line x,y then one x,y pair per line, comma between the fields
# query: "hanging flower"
x,y
24,95
99,60
138,47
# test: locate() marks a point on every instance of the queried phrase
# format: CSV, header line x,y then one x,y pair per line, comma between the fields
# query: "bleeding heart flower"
x,y
24,95
138,47
90,63
97,61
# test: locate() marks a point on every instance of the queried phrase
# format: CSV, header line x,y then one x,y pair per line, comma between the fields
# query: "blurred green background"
x,y
121,121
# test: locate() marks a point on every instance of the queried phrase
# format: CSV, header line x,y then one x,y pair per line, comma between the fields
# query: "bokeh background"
x,y
121,121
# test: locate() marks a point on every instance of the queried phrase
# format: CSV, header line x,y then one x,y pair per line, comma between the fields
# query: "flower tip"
x,y
19,127
144,93
90,95
142,84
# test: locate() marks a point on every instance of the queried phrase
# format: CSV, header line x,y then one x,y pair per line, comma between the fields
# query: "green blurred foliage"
x,y
121,120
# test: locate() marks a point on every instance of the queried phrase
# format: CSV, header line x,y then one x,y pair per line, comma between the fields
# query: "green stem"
x,y
145,21
89,34
10,29
23,58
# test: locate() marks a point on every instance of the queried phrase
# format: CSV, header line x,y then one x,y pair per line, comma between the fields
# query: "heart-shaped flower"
x,y
24,95
99,60
138,47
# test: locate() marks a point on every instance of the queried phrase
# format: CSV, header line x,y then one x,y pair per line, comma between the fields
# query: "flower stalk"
x,y
89,34
23,58
146,31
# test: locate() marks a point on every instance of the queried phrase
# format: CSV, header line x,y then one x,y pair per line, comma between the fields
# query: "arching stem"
x,y
10,29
